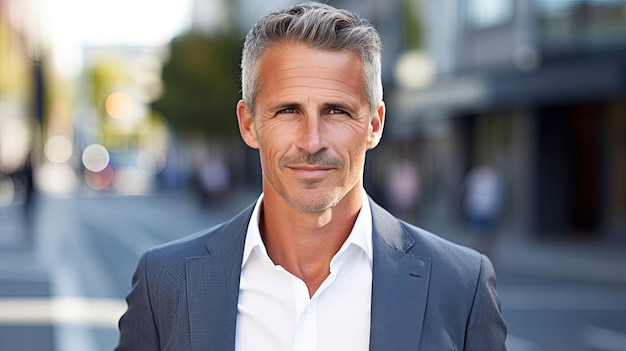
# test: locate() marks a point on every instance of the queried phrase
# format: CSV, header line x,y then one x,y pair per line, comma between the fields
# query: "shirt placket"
x,y
306,333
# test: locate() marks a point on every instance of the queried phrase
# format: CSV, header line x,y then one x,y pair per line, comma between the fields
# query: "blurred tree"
x,y
201,84
14,68
413,30
108,72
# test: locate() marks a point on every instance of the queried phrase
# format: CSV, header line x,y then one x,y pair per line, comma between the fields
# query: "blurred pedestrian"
x,y
214,179
314,263
30,198
403,187
482,203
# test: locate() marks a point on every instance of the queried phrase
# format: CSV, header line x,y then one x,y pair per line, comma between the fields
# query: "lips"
x,y
311,165
310,168
310,171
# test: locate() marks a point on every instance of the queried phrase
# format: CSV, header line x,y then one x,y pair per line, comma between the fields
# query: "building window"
x,y
582,25
485,14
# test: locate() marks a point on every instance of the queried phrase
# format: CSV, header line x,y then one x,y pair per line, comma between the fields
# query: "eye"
x,y
287,111
336,111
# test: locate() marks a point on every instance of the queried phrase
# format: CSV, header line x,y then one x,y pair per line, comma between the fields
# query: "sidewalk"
x,y
22,277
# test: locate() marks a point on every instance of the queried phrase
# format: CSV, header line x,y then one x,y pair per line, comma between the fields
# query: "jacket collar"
x,y
400,282
213,286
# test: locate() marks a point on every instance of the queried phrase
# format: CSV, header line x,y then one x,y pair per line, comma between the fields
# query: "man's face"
x,y
312,125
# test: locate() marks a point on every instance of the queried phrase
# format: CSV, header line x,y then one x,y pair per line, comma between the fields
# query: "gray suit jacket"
x,y
427,293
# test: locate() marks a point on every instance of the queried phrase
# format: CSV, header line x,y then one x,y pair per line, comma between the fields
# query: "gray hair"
x,y
319,26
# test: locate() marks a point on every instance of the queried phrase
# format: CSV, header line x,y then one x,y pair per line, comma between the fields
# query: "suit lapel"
x,y
213,287
399,286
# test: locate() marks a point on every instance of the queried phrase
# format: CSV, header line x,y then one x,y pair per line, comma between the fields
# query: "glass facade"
x,y
581,25
484,14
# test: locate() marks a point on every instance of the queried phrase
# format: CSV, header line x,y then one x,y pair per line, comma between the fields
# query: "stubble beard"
x,y
325,198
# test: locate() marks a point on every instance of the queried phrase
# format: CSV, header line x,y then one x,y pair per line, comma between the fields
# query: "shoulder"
x,y
430,244
416,241
224,236
454,267
446,257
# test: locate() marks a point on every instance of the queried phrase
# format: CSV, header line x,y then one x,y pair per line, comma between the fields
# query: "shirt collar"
x,y
361,234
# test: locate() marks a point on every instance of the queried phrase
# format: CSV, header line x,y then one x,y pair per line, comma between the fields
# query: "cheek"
x,y
357,159
271,133
353,153
271,146
356,141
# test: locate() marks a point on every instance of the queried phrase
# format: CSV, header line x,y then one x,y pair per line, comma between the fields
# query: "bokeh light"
x,y
95,158
14,139
7,191
100,180
119,105
415,70
146,163
58,149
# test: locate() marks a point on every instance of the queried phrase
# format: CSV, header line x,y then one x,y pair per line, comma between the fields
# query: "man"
x,y
314,264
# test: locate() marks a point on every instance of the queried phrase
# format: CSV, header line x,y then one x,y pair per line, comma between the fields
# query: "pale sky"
x,y
116,22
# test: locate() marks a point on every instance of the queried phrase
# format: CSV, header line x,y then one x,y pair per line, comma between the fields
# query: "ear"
x,y
377,122
246,125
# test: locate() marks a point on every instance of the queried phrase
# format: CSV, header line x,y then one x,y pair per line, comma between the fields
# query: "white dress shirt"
x,y
275,312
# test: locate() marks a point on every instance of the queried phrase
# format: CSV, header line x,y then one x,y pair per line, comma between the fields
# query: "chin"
x,y
312,203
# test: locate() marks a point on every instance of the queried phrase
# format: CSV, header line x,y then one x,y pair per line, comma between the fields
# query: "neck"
x,y
304,243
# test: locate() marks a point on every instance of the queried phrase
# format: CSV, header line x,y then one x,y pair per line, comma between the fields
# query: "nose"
x,y
311,138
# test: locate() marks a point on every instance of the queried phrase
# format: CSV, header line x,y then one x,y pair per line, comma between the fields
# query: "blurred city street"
x,y
505,118
66,291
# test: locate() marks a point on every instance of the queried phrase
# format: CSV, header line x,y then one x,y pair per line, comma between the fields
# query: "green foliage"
x,y
413,27
201,84
106,73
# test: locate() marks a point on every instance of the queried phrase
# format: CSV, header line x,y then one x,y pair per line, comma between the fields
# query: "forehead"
x,y
300,68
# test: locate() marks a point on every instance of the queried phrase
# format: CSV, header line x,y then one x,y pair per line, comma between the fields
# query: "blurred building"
x,y
536,89
113,115
533,88
209,16
21,96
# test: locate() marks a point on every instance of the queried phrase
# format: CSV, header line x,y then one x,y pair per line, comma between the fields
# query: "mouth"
x,y
311,167
310,171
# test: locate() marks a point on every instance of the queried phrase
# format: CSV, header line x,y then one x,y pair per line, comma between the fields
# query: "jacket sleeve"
x,y
137,326
486,327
